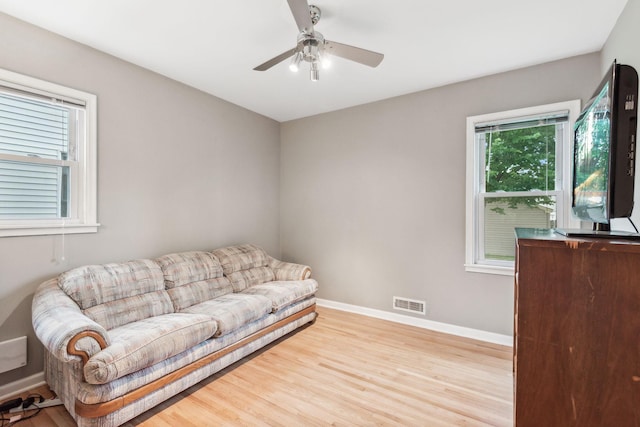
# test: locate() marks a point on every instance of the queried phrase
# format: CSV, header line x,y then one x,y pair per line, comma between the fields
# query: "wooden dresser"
x,y
577,331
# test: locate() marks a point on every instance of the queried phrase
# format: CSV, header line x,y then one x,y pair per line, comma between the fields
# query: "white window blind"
x,y
36,138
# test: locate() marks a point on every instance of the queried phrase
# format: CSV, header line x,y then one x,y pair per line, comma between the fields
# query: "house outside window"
x,y
47,158
518,175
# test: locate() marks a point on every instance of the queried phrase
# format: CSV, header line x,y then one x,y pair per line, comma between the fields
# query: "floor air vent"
x,y
412,305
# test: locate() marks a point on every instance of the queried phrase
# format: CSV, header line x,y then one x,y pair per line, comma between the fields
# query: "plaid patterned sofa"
x,y
121,338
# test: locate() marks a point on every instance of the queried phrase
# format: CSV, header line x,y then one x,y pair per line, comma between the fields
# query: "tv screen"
x,y
604,153
592,146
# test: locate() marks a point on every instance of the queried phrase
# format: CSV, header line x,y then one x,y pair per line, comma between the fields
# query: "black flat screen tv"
x,y
604,153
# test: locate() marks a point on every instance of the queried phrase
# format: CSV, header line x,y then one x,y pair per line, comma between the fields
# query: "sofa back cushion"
x,y
116,294
244,265
243,279
193,277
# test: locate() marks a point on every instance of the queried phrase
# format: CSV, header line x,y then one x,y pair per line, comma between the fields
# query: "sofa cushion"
x,y
193,277
187,267
282,294
196,292
137,345
241,257
125,310
243,279
98,284
115,294
232,311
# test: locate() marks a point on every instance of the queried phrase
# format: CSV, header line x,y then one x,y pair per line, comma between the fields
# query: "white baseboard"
x,y
15,388
446,328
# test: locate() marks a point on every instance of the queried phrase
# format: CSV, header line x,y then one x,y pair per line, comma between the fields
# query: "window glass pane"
x,y
503,214
520,159
33,191
33,128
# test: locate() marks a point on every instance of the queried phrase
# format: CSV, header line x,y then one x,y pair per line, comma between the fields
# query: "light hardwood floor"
x,y
345,370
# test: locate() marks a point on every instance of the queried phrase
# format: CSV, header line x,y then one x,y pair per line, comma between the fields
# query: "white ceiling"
x,y
214,45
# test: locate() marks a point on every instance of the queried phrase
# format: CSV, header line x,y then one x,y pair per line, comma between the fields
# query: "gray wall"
x,y
624,46
373,197
623,40
177,170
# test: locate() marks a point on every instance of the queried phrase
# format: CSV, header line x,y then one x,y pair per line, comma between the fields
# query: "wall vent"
x,y
412,305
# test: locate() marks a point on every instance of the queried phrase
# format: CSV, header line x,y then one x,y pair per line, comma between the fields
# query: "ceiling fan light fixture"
x,y
314,72
295,62
325,60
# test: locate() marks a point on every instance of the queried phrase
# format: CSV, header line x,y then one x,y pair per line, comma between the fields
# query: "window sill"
x,y
490,269
47,229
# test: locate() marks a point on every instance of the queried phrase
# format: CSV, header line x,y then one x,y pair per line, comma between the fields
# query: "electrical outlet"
x,y
13,354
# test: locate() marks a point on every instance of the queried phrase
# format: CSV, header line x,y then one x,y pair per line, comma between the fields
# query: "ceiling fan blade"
x,y
276,60
300,11
363,56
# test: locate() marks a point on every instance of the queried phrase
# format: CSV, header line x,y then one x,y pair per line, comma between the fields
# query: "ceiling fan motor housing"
x,y
311,46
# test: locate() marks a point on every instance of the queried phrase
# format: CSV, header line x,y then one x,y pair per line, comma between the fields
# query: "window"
x,y
47,158
518,175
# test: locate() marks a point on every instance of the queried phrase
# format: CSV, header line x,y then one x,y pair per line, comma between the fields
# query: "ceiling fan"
x,y
312,47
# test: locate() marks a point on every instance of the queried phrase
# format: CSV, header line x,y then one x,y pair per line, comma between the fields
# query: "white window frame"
x,y
83,190
474,221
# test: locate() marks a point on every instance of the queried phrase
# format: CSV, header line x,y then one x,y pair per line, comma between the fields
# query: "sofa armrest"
x,y
289,270
62,327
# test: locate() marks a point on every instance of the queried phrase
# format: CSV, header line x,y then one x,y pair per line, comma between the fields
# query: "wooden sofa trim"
x,y
71,346
94,410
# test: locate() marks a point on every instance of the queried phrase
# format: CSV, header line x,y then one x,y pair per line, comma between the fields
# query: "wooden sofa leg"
x,y
312,321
